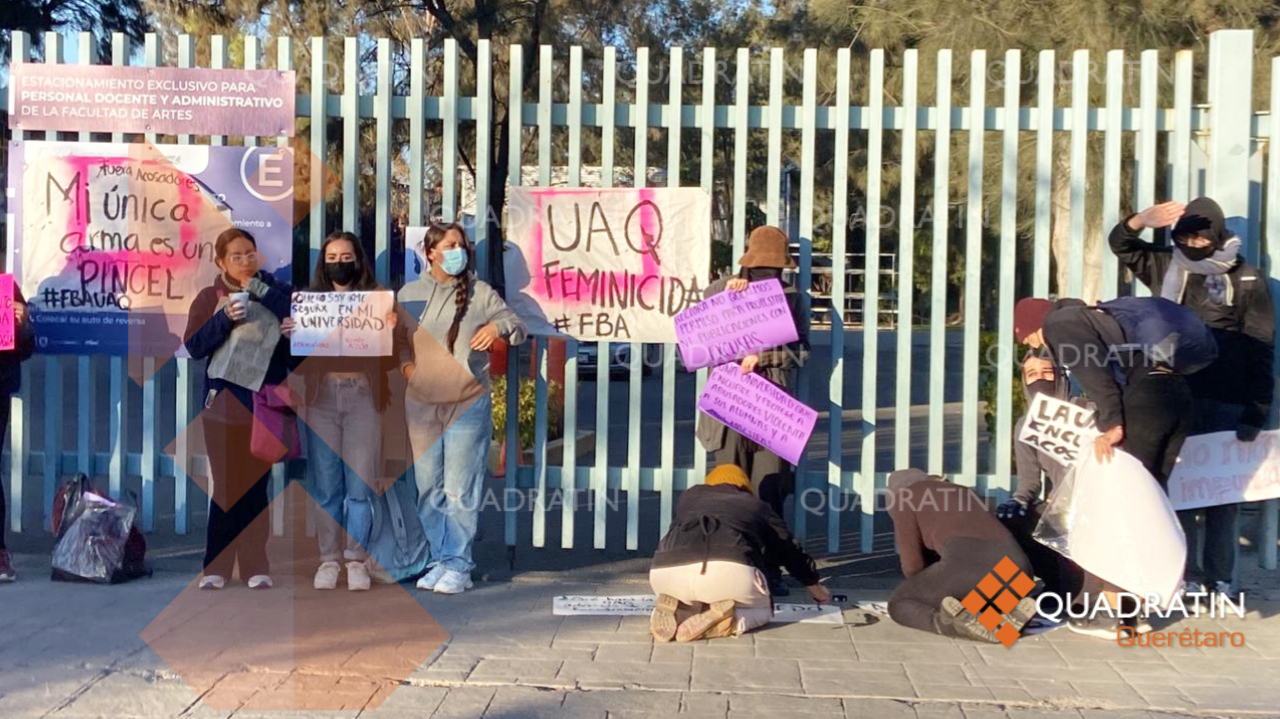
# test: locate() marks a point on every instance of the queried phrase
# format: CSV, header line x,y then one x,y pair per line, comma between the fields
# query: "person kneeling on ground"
x,y
721,539
948,541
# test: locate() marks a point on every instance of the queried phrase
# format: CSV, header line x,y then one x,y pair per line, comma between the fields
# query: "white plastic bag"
x,y
1114,520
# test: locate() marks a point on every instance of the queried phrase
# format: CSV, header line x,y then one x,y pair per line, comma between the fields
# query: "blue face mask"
x,y
455,261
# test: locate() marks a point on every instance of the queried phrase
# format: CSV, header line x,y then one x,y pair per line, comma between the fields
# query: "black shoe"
x,y
1101,626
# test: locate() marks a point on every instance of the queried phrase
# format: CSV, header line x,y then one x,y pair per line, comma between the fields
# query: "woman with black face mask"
x,y
345,399
771,476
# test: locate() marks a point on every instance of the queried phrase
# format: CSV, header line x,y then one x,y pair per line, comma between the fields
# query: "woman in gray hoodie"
x,y
450,321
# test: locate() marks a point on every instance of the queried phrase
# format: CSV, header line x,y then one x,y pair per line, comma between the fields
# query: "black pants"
x,y
1221,523
965,562
1059,574
240,489
4,430
771,476
1157,419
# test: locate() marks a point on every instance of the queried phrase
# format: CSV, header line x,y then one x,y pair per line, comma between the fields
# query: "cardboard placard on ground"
x,y
1060,430
731,325
641,605
1215,469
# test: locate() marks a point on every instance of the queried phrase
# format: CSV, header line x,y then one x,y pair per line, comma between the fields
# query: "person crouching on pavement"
x,y
707,571
948,542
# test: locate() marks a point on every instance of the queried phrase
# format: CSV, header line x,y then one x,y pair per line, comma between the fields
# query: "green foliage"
x,y
526,413
989,379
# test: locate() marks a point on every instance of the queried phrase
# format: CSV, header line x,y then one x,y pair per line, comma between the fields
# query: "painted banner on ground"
x,y
111,242
1060,430
759,410
606,264
165,100
341,324
641,605
8,327
731,325
1217,468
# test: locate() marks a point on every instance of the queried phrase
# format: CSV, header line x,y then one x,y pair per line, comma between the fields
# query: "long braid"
x,y
461,299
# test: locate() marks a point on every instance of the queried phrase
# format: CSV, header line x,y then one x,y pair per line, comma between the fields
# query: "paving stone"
x,y
908,653
1113,714
409,698
886,630
772,706
1009,694
935,674
661,703
125,695
811,651
1049,690
528,703
953,693
516,670
672,653
1022,655
617,675
749,675
1031,713
623,652
841,683
878,709
1105,651
1229,699
735,647
701,704
936,710
1129,669
878,670
982,711
1224,664
464,703
1110,694
1092,673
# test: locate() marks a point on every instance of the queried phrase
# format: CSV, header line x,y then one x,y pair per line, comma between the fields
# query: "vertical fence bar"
x,y
1111,169
350,132
708,183
773,161
515,128
666,475
938,279
484,148
1044,175
417,128
88,55
639,113
449,146
1231,100
1079,171
382,166
150,407
600,472
53,409
1145,172
973,266
1008,270
546,73
1270,525
804,281
839,271
866,483
118,392
741,131
320,145
19,404
904,287
569,461
1180,140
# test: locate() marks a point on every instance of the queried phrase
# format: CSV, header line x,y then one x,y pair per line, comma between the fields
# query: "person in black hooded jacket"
x,y
720,540
1204,271
24,345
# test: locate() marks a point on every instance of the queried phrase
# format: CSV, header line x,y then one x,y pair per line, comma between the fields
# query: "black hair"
x,y
322,282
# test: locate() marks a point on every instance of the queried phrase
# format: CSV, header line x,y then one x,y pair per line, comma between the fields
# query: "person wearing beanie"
x,y
772,478
1203,271
707,569
1143,404
947,542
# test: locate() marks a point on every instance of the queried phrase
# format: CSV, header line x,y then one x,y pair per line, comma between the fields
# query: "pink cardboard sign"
x,y
731,325
166,100
759,410
7,325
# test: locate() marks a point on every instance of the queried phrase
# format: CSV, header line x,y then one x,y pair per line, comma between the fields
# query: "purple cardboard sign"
x,y
165,100
731,325
759,410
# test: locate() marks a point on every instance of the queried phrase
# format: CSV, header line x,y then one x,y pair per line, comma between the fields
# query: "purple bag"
x,y
275,428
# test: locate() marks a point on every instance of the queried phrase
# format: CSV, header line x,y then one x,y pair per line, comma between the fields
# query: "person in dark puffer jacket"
x,y
24,345
720,539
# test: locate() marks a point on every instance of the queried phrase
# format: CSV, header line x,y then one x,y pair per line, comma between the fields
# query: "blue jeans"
x,y
451,445
344,434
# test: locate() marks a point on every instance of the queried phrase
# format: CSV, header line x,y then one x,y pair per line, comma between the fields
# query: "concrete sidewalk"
x,y
75,651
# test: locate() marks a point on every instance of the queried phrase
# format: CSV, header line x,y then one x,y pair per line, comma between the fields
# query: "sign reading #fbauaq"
x,y
111,242
167,100
341,324
1217,468
731,325
606,264
1060,430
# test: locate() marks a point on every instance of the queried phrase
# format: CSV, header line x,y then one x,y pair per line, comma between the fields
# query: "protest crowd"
x,y
1139,375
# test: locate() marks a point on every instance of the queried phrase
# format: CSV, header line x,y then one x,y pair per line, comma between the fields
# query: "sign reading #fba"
x,y
1058,429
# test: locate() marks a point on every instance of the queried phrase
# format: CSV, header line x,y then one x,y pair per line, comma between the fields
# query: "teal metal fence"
x,y
1219,146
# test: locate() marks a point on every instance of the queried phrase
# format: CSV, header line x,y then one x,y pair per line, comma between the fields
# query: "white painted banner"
x,y
1217,468
341,324
1060,430
606,264
641,605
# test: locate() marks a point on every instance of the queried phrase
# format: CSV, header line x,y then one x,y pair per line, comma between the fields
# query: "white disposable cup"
x,y
241,299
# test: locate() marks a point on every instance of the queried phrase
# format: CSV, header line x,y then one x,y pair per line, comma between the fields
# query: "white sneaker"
x,y
327,576
431,578
259,581
453,582
212,581
357,577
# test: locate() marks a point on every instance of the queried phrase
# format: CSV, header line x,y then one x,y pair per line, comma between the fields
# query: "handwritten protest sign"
x,y
606,264
113,241
1060,430
168,100
759,410
731,325
1217,468
7,325
341,324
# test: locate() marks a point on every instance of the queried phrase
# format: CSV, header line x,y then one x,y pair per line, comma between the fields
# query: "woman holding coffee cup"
x,y
238,314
